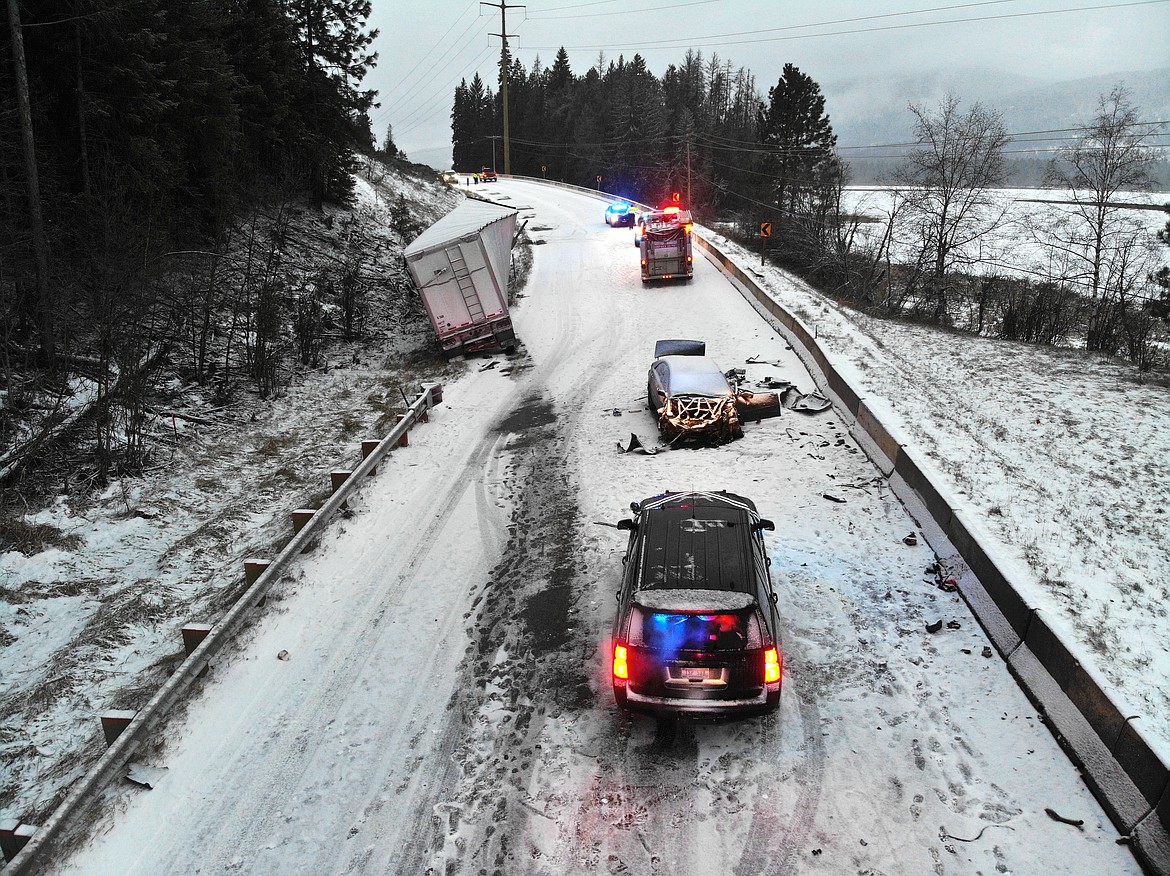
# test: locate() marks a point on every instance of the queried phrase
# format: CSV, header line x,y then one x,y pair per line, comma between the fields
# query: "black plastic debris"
x,y
637,446
812,403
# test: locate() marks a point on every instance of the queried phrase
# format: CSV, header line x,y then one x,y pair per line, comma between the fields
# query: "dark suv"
x,y
697,629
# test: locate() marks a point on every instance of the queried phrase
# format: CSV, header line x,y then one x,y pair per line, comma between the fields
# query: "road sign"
x,y
765,229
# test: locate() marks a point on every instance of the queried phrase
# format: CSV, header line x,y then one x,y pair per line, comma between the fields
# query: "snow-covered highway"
x,y
429,694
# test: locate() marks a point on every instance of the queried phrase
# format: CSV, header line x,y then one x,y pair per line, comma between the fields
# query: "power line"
x,y
457,46
637,10
679,42
429,102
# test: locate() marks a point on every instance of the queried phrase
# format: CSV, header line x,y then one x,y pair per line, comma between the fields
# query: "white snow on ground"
x,y
419,720
94,625
1061,459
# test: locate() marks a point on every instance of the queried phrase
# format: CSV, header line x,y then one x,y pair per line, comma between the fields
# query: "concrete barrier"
x,y
879,436
1015,609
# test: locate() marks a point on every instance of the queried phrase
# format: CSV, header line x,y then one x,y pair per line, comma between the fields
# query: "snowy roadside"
x,y
92,623
1059,456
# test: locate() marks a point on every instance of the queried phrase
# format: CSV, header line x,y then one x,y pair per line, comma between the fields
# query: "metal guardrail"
x,y
1102,738
114,761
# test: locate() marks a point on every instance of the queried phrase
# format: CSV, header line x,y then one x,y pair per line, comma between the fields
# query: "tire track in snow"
x,y
274,780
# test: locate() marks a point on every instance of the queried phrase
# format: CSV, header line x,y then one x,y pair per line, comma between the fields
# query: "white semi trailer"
x,y
460,267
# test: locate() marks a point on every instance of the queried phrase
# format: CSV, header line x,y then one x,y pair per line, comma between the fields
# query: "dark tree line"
x,y
148,152
701,131
692,131
150,124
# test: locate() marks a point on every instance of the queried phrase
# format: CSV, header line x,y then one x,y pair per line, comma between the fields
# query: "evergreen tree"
x,y
799,139
333,49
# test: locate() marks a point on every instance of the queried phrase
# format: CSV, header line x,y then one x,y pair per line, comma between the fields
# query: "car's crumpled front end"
x,y
700,419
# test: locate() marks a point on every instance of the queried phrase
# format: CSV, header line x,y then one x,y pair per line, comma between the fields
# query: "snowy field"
x,y
428,693
1024,220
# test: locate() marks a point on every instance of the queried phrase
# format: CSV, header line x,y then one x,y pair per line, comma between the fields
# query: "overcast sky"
x,y
426,48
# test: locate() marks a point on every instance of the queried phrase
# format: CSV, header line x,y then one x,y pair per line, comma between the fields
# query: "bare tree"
x,y
946,184
1112,155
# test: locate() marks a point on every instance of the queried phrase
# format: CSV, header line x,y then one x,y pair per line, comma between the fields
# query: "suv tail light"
x,y
771,665
621,666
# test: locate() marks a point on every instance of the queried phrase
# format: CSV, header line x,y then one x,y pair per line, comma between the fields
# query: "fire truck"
x,y
666,244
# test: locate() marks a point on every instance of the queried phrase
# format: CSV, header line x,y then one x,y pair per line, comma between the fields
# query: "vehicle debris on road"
x,y
637,445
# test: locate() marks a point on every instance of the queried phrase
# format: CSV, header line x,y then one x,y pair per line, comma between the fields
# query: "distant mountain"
x,y
873,111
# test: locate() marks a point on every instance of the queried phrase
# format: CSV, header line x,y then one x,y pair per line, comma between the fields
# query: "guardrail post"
x,y
253,569
14,836
114,722
337,478
193,635
368,447
300,517
404,440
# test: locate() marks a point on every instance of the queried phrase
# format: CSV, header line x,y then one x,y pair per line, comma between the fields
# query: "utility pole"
x,y
504,6
48,330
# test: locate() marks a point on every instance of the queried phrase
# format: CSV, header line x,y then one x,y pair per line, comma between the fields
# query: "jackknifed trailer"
x,y
460,267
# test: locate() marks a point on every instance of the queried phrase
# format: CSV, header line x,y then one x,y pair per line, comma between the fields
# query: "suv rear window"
x,y
673,631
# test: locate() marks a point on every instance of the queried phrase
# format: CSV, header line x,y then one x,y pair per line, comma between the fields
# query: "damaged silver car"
x,y
692,398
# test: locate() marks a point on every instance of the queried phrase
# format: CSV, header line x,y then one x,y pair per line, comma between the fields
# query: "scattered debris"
x,y
756,360
934,627
987,651
757,406
954,625
977,836
832,498
769,383
1078,823
489,365
811,403
146,776
283,655
911,540
616,412
950,585
637,445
